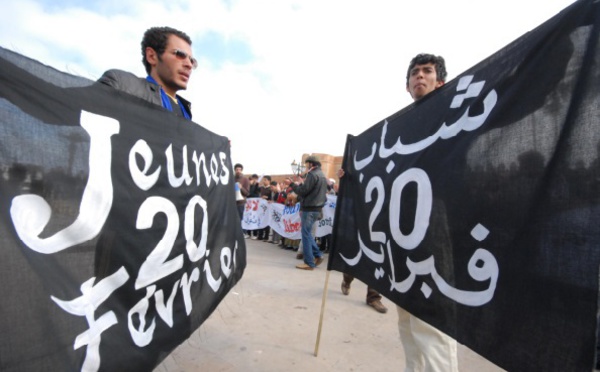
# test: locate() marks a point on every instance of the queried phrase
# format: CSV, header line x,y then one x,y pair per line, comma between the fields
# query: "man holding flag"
x,y
426,348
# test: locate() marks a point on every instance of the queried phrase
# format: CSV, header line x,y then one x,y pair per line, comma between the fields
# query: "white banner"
x,y
285,220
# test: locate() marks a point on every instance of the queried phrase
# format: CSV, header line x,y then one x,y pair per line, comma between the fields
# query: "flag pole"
x,y
322,312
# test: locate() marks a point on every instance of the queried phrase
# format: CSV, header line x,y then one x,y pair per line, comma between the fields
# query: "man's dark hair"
x,y
156,38
267,177
437,61
238,165
273,183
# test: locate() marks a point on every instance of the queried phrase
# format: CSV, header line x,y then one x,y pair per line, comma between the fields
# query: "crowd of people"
x,y
281,192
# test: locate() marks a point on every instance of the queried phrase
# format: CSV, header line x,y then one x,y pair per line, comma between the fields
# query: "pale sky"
x,y
279,78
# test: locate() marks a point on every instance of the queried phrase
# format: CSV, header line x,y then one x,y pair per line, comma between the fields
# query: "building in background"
x,y
329,165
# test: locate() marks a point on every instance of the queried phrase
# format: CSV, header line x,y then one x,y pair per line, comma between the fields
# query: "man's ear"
x,y
439,84
151,56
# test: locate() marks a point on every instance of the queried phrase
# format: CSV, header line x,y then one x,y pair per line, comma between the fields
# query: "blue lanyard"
x,y
166,101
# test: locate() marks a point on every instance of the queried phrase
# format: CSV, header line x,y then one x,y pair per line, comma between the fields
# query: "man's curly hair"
x,y
437,61
156,38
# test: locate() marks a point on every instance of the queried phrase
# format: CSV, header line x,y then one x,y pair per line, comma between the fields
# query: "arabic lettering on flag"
x,y
476,208
119,237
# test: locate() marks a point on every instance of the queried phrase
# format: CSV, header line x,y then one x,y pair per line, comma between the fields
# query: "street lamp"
x,y
297,169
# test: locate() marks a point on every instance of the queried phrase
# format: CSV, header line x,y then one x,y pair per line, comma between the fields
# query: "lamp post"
x,y
297,169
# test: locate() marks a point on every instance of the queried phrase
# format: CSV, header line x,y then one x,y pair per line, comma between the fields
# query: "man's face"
x,y
238,170
169,70
422,81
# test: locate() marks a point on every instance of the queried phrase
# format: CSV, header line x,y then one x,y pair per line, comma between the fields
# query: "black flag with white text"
x,y
119,230
476,208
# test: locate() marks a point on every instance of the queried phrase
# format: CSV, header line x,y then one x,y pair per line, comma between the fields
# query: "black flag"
x,y
477,207
119,230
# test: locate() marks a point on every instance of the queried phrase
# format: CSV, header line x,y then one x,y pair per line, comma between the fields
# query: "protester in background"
x,y
313,192
265,193
167,57
244,185
290,201
277,196
330,187
285,186
325,241
253,192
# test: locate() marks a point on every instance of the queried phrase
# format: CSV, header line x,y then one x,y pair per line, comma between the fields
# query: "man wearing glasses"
x,y
167,57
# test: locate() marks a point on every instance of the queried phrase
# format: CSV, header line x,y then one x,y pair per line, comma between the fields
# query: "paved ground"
x,y
270,321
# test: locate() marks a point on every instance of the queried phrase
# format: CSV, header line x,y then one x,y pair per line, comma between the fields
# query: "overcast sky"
x,y
278,77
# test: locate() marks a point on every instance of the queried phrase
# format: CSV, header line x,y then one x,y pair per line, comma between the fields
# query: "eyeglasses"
x,y
180,54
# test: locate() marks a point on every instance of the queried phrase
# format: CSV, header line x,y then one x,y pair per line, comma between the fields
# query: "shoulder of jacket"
x,y
129,83
115,74
123,80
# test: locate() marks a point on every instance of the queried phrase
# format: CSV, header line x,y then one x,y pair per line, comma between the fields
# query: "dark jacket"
x,y
313,190
139,87
254,190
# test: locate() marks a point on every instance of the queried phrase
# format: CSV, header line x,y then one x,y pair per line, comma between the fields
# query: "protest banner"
x,y
285,220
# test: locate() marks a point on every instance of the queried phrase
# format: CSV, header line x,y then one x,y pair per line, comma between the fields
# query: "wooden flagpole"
x,y
322,312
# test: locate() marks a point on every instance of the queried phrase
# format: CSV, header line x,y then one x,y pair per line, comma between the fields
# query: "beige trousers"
x,y
427,349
